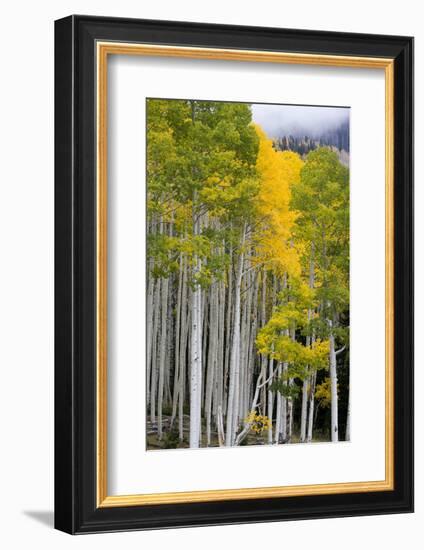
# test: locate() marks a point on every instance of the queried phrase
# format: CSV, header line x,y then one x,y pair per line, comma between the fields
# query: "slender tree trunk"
x,y
304,410
290,404
235,353
183,353
310,341
170,351
228,332
149,331
333,383
242,352
205,340
311,416
271,368
220,427
196,365
213,336
163,334
253,329
150,316
245,344
263,323
347,436
284,408
196,346
220,359
290,414
305,391
270,399
153,381
177,343
259,384
236,401
278,411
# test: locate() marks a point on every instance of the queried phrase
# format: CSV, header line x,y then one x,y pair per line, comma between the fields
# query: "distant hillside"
x,y
337,139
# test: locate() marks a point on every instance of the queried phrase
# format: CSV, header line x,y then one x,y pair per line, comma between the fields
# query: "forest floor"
x,y
170,438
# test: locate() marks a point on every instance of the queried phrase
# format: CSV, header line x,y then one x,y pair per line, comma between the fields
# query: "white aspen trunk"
x,y
278,411
163,334
220,427
196,347
271,367
213,335
170,328
149,321
290,383
235,351
220,344
177,344
216,351
205,338
196,364
170,352
252,337
263,323
200,364
153,381
311,407
313,375
241,361
196,331
236,404
183,351
304,410
247,426
244,351
305,389
214,391
149,331
333,383
228,332
217,385
270,399
250,322
290,415
259,385
284,409
347,436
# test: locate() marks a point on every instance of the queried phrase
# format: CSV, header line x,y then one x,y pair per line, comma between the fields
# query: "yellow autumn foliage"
x,y
278,172
258,423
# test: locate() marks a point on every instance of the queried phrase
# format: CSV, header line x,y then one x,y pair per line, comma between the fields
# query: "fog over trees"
x,y
247,324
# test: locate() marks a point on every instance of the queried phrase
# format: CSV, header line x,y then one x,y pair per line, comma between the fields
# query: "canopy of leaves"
x,y
321,229
278,172
201,165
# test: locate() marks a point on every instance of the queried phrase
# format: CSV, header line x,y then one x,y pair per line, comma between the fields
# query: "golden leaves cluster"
x,y
278,172
258,423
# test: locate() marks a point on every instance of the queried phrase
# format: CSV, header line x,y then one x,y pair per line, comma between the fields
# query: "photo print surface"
x,y
247,298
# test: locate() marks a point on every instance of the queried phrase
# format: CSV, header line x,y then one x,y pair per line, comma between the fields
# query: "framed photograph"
x,y
234,274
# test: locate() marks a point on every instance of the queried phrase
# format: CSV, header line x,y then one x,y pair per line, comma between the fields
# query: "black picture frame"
x,y
76,510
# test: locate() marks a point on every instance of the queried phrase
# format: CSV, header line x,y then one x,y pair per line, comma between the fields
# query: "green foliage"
x,y
289,391
321,201
171,439
201,159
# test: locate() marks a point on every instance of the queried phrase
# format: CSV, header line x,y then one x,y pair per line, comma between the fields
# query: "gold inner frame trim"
x,y
103,50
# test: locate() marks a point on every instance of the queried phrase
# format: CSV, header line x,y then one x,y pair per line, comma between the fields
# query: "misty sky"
x,y
279,120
